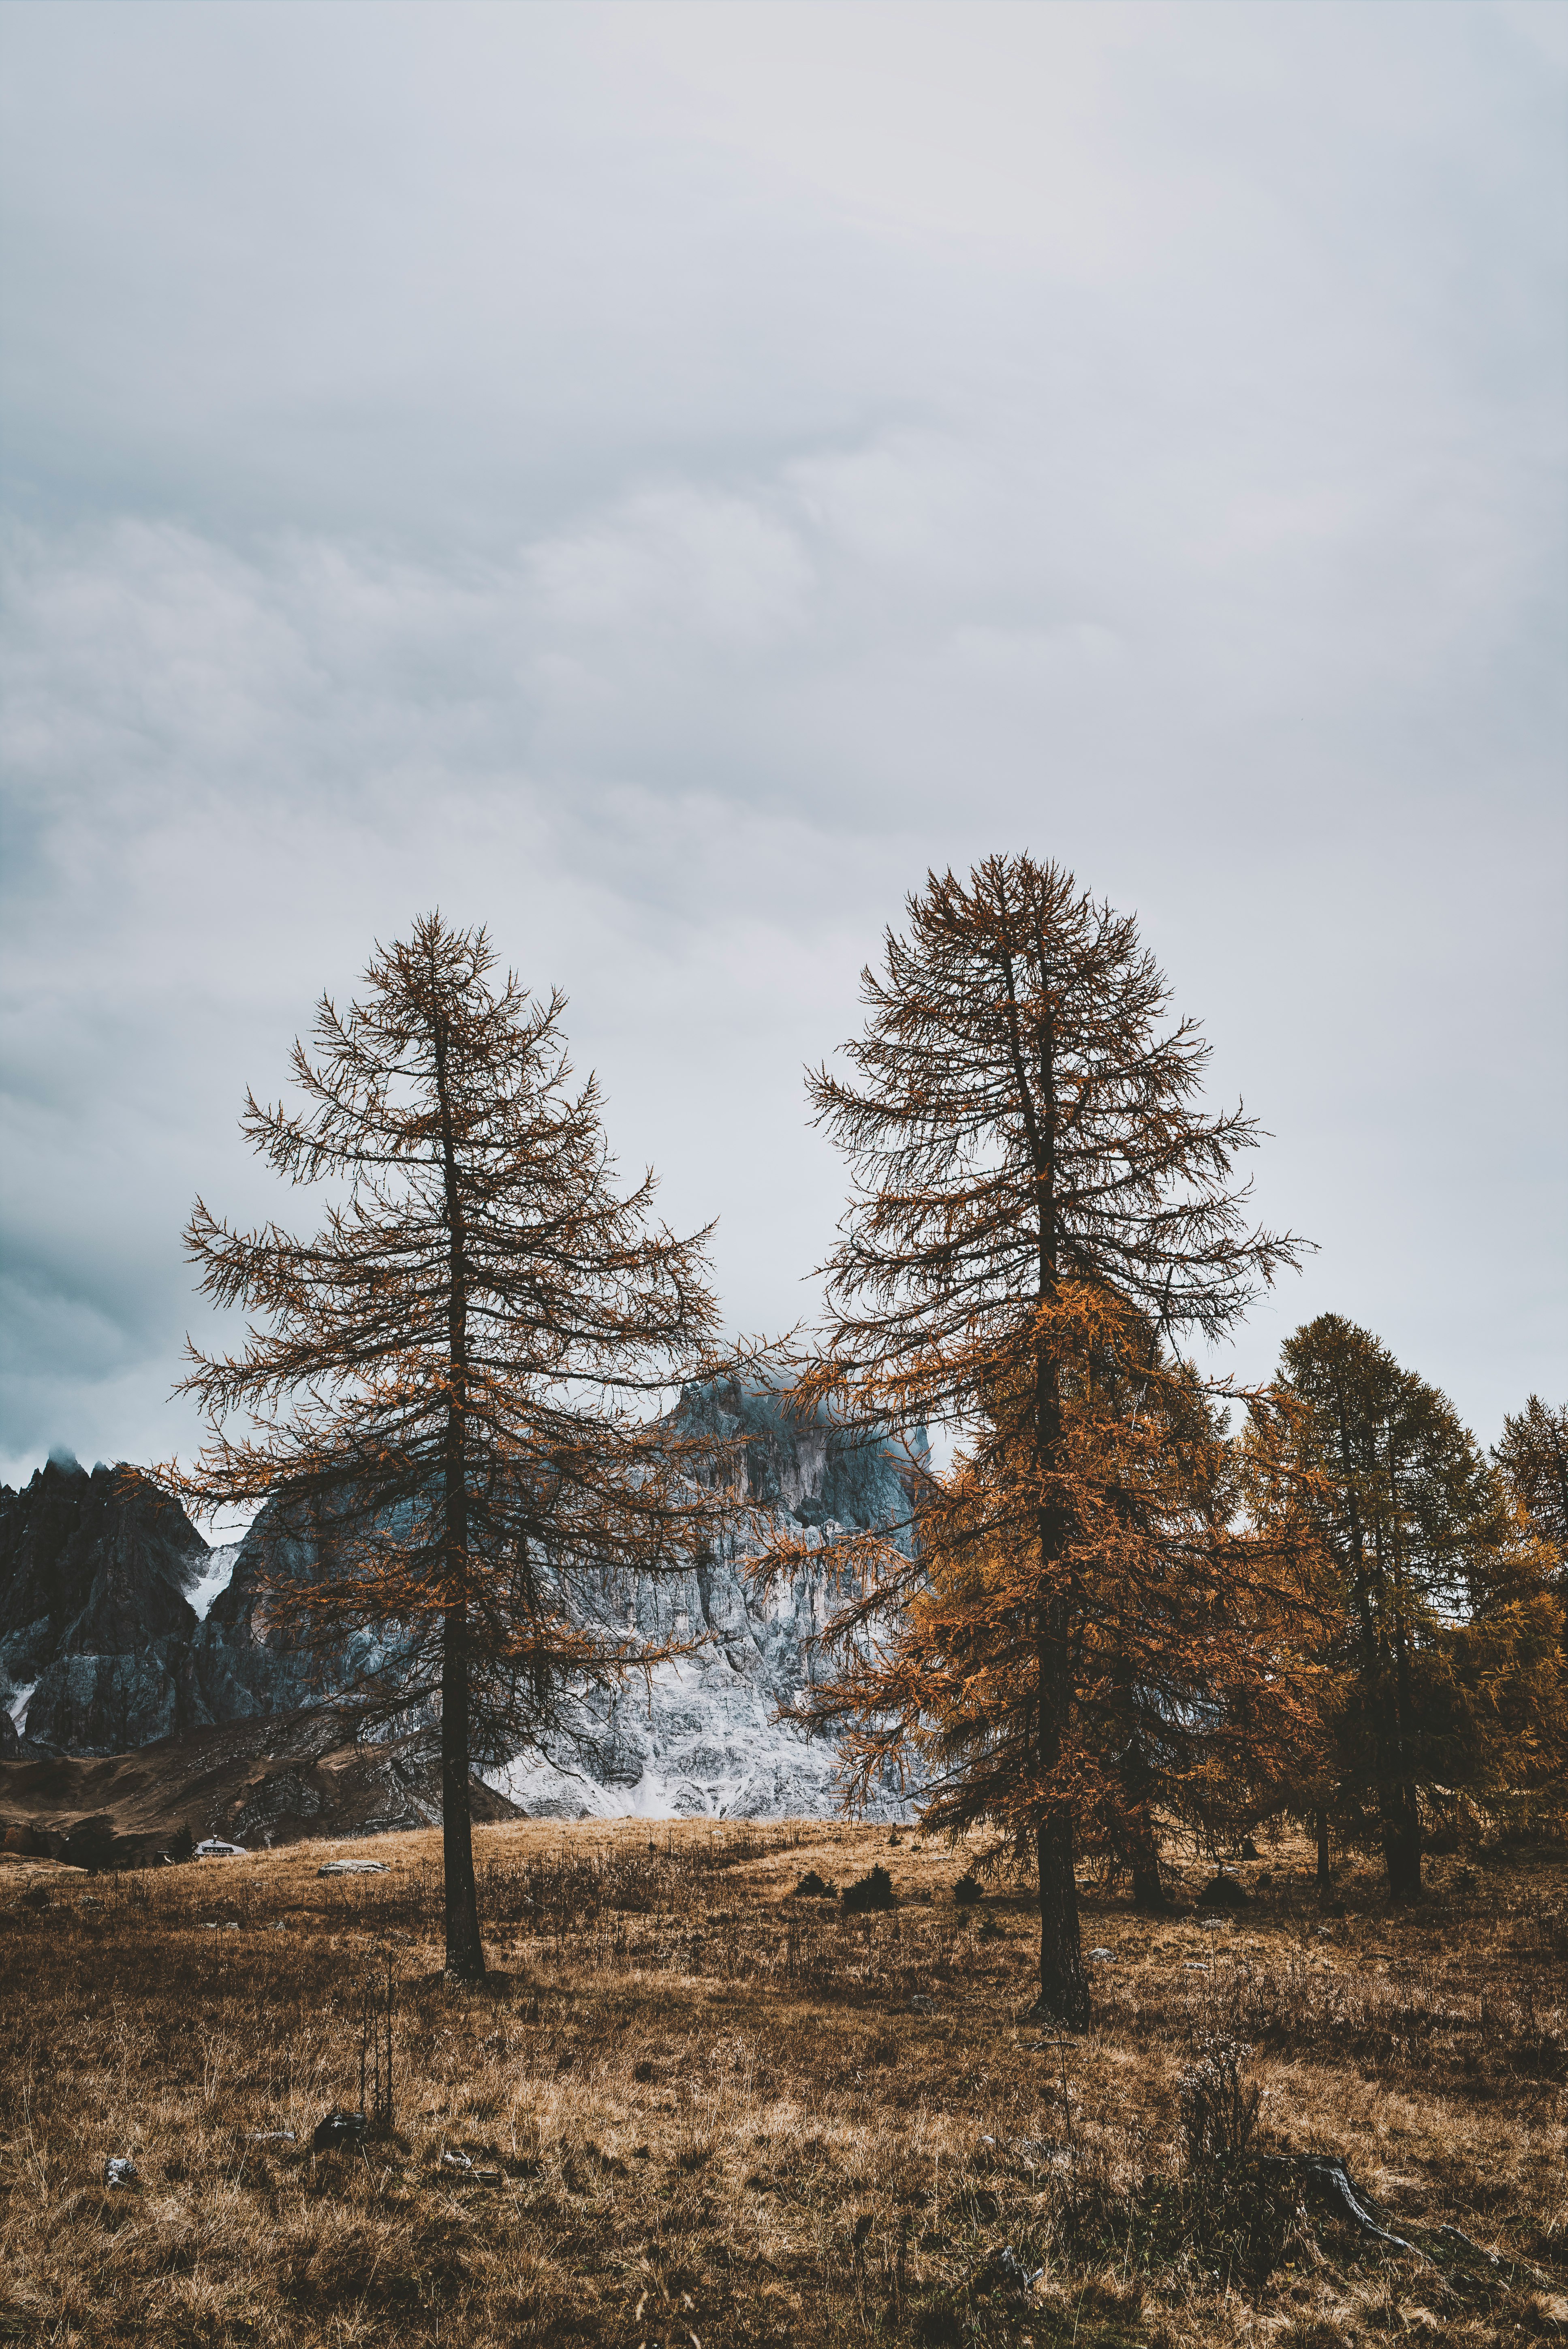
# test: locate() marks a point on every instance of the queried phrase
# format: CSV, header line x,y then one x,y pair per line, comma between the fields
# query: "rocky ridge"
x,y
120,1629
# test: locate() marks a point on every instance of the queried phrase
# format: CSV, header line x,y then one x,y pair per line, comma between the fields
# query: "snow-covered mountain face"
x,y
711,1736
119,1627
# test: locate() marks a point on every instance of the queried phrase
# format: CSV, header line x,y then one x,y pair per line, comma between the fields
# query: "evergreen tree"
x,y
1533,1458
1036,1188
1423,1546
1182,1694
1506,1693
451,1378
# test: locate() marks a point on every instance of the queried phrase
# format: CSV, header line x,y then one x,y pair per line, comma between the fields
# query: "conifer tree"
x,y
1505,1692
1182,1694
1440,1660
1037,1190
1533,1458
451,1379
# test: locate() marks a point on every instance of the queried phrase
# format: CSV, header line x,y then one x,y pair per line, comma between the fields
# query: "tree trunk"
x,y
1404,1852
1398,1815
1322,1851
1142,1845
1063,1984
1135,1840
1147,1888
465,1957
1402,1844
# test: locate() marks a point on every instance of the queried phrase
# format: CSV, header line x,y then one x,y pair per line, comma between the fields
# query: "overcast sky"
x,y
655,479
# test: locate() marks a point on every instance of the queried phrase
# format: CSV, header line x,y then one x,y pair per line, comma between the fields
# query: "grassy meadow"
x,y
700,2110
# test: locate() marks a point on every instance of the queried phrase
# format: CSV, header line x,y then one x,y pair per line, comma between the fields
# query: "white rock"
x,y
353,1868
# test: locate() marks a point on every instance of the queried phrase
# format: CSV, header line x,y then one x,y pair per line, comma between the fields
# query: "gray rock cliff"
x,y
96,1574
713,1736
119,1627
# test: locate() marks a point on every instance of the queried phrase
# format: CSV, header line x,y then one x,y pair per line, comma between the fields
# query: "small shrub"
x,y
967,1892
813,1887
1219,2111
940,2326
182,1843
872,1891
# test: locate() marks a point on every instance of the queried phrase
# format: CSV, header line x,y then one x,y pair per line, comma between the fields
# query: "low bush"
x,y
872,1891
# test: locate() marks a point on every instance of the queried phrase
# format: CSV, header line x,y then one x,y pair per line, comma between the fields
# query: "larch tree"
x,y
1040,1208
1440,1658
1533,1459
1182,1696
451,1379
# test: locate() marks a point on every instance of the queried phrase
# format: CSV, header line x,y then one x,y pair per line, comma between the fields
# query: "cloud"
x,y
656,480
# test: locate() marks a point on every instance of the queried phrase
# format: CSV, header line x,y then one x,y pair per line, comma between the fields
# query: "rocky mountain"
x,y
712,1737
120,1629
94,1569
119,1625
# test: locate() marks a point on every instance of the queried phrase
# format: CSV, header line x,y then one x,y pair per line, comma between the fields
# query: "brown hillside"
x,y
260,1782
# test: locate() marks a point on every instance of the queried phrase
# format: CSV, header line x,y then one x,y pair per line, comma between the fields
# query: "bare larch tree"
x,y
1039,1207
455,1377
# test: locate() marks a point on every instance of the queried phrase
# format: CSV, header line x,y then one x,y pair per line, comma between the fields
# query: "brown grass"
x,y
720,2115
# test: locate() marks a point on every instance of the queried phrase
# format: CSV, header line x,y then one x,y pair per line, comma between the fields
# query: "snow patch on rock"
x,y
216,1573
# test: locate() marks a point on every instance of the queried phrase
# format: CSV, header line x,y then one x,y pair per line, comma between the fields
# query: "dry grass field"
x,y
699,2110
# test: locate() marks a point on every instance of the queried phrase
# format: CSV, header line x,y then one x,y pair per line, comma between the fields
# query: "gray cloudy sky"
x,y
656,478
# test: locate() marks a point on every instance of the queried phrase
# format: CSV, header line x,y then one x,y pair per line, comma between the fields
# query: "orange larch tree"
x,y
453,1378
1441,1650
1532,1457
1041,1208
